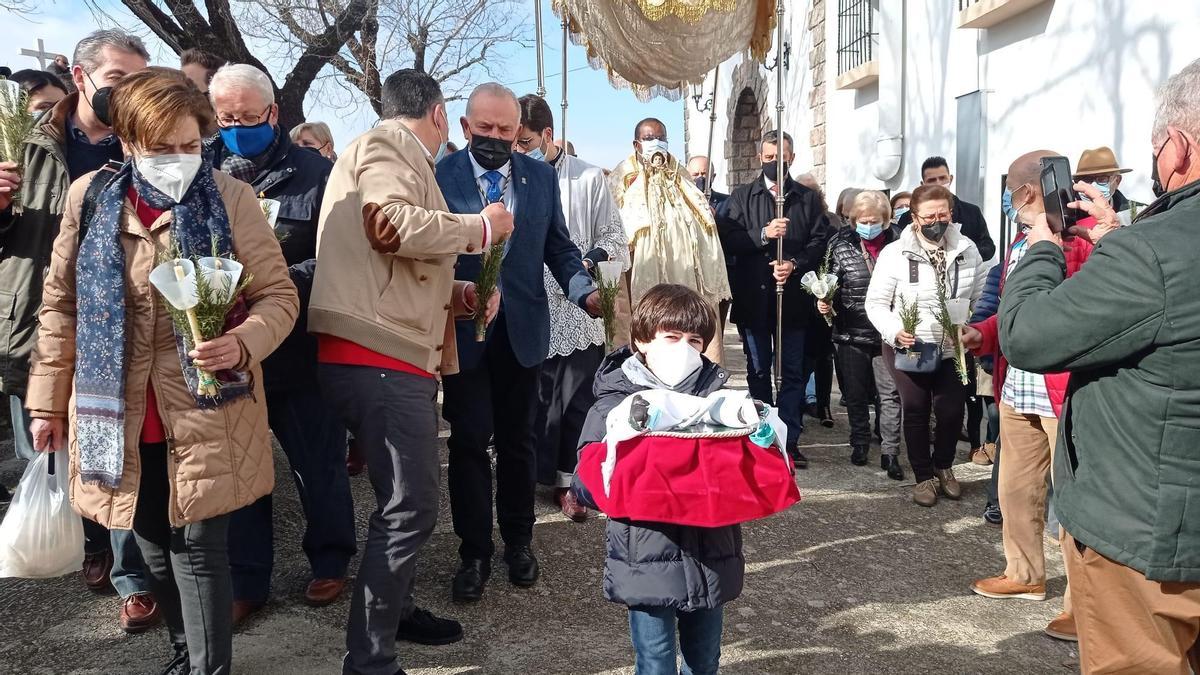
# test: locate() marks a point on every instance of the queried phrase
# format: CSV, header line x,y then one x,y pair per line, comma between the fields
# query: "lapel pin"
x,y
522,180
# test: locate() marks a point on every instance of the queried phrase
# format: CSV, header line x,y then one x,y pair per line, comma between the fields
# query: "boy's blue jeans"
x,y
652,630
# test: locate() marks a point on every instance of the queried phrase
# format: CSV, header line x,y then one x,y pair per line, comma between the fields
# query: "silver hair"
x,y
494,89
1179,102
89,52
242,75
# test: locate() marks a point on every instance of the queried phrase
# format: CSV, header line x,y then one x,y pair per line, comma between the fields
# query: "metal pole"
x,y
712,126
537,30
562,130
781,183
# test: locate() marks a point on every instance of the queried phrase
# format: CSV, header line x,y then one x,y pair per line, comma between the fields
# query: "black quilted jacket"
x,y
850,325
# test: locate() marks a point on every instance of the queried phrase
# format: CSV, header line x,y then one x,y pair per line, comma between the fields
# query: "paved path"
x,y
855,579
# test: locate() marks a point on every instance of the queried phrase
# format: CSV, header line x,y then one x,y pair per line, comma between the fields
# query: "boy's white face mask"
x,y
671,361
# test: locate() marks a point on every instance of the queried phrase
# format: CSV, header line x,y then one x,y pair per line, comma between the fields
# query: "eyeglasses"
x,y
527,143
243,120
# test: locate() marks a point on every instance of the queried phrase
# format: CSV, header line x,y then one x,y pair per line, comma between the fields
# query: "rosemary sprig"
x,y
609,289
485,286
910,315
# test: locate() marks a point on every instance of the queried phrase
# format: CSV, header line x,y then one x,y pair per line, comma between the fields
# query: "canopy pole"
x,y
781,183
562,129
537,29
712,127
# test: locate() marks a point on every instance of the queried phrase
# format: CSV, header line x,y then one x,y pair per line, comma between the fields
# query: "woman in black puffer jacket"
x,y
853,251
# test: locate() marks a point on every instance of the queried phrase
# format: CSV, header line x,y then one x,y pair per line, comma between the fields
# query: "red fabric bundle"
x,y
695,480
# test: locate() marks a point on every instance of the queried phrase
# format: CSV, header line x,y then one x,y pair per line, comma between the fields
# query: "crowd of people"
x,y
367,298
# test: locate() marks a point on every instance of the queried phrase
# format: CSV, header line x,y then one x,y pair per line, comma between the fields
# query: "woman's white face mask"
x,y
171,174
671,359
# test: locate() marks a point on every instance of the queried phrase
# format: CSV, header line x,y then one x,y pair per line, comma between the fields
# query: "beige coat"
x,y
219,460
390,291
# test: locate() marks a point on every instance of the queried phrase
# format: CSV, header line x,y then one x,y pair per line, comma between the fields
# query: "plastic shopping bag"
x,y
41,535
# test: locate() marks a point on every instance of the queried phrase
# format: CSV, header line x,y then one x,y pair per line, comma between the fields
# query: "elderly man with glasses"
x,y
252,147
1099,167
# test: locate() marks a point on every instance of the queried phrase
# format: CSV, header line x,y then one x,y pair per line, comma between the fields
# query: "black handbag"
x,y
922,357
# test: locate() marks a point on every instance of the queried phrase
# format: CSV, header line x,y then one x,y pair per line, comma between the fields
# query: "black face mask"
x,y
701,181
1156,185
935,231
771,171
491,153
99,102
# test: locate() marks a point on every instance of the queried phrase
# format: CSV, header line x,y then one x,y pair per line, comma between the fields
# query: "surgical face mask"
x,y
171,175
537,154
671,361
935,231
1105,189
1006,203
899,214
491,153
444,147
248,141
868,230
652,147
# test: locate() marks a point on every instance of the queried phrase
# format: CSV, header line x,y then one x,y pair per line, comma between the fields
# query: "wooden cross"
x,y
40,54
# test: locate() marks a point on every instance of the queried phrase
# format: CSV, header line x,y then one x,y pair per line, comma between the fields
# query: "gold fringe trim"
x,y
690,11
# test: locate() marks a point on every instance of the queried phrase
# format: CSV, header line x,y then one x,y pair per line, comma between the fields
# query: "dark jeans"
x,y
497,398
188,570
393,416
941,392
858,388
314,441
652,631
564,399
760,361
993,436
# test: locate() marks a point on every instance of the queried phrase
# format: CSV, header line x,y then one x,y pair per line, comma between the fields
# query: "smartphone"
x,y
1057,192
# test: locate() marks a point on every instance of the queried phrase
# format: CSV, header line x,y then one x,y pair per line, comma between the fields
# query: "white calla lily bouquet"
x,y
822,285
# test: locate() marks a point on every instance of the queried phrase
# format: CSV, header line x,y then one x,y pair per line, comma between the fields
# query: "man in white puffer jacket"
x,y
933,265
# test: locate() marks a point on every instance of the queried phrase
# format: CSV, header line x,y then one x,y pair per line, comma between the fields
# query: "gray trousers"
x,y
889,406
188,570
393,416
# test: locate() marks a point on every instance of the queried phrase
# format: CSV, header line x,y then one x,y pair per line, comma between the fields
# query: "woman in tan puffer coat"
x,y
147,452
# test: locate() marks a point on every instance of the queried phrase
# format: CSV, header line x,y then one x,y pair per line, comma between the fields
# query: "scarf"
x,y
246,169
199,222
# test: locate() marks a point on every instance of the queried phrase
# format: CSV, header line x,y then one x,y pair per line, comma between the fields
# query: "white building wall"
x,y
1065,76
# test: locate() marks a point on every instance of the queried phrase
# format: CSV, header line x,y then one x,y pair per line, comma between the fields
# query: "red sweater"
x,y
152,426
1076,251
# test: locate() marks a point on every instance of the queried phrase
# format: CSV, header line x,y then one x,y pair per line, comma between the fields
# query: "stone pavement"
x,y
854,579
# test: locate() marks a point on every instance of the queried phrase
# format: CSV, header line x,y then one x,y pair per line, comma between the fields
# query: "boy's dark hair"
x,y
672,307
934,162
535,113
198,57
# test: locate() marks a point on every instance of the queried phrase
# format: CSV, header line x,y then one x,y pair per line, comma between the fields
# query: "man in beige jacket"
x,y
383,305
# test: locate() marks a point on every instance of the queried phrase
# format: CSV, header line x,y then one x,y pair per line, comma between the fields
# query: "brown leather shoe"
x,y
139,613
1062,628
322,592
979,456
925,492
1002,587
96,568
948,483
242,609
571,508
355,461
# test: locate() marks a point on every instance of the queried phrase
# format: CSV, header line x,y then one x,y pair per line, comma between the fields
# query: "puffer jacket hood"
x,y
660,564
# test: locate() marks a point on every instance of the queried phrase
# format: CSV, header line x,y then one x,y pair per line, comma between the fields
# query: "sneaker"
x,y
1062,628
423,628
992,515
925,492
1002,587
948,483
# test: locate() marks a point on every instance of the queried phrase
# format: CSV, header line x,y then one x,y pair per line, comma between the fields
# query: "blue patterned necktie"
x,y
494,194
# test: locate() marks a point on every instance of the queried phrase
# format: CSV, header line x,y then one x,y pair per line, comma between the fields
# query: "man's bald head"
x,y
809,181
1025,183
494,111
697,166
650,127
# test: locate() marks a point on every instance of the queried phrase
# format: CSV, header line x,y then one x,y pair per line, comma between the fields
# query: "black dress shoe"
x,y
858,456
799,461
180,664
891,464
523,567
469,580
423,628
826,417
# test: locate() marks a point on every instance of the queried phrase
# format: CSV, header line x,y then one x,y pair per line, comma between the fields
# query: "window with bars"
x,y
963,4
856,33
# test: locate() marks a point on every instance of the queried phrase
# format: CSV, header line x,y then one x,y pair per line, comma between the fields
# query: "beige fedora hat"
x,y
1098,162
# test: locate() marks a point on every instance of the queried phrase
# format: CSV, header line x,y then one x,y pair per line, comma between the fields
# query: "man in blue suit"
x,y
495,393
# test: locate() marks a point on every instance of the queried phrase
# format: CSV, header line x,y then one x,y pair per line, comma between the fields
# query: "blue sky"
x,y
600,119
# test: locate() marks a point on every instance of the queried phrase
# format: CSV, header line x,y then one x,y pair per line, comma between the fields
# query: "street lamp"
x,y
697,91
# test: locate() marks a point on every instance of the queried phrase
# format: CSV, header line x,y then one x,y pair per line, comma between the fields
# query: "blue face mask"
x,y
1105,191
900,214
1007,205
537,154
868,230
441,153
248,141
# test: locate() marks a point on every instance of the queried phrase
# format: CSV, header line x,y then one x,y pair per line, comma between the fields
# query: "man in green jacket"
x,y
72,139
1127,468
